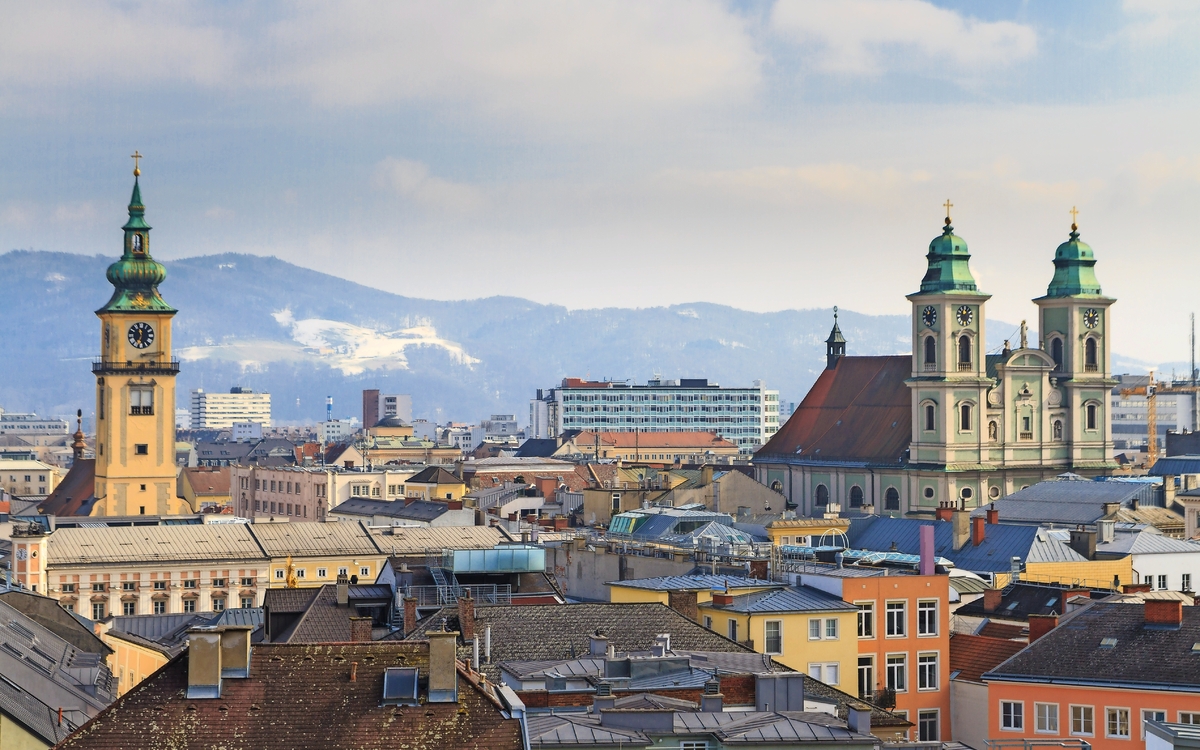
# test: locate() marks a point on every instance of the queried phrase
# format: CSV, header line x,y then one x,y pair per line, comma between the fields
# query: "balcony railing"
x,y
1091,368
965,367
930,366
153,367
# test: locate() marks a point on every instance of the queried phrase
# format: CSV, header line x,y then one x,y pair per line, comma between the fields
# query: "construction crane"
x,y
1149,390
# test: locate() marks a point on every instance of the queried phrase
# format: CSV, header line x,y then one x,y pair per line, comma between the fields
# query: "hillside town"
x,y
943,549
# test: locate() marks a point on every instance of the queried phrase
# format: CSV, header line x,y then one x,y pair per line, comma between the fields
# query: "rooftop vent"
x,y
400,686
1108,643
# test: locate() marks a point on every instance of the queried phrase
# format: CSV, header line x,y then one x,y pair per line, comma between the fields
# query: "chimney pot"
x,y
343,590
410,615
597,644
961,522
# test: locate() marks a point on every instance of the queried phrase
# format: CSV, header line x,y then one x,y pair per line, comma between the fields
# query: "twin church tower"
x,y
135,382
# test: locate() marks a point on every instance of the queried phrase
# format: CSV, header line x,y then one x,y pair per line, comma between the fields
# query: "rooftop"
x,y
693,583
787,599
973,655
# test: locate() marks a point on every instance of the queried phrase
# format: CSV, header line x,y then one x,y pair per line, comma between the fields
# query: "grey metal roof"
x,y
1146,543
309,538
134,544
1067,501
790,599
692,583
1175,466
34,715
419,510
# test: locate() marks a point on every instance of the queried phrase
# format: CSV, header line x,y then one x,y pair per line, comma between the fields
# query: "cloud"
x,y
856,36
74,212
412,181
1154,21
778,184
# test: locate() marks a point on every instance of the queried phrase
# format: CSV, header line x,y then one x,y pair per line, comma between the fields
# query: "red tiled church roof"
x,y
861,410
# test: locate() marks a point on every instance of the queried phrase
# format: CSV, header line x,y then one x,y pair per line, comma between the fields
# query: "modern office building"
x,y
745,416
29,425
219,411
380,406
1175,408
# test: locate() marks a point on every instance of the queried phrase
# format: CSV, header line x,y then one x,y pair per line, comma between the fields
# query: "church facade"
x,y
950,424
135,383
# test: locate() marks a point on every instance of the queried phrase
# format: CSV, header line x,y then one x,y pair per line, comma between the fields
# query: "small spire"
x,y
136,156
79,445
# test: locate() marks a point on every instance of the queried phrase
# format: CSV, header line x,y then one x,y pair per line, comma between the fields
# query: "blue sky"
x,y
766,155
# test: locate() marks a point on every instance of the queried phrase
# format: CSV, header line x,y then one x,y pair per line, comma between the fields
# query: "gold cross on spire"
x,y
136,156
1074,216
948,206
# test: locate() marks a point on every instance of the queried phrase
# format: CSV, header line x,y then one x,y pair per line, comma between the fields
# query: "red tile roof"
x,y
861,410
300,696
973,655
1003,630
74,494
206,480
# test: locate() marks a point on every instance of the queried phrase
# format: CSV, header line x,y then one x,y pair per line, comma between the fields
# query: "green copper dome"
x,y
1074,269
136,276
948,270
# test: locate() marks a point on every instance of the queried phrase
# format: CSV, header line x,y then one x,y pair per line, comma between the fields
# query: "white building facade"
x,y
219,411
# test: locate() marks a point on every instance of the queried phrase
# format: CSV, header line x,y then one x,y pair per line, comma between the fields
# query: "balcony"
x,y
930,367
1091,368
113,367
965,367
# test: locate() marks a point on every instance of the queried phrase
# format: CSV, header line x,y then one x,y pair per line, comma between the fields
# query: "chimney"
x,y
961,520
992,599
722,598
1106,529
204,663
779,691
1039,625
360,629
443,667
1084,542
1164,613
711,700
927,548
993,515
943,512
410,615
858,718
466,615
1136,588
977,530
343,590
604,698
662,644
235,650
597,644
454,505
758,569
684,602
706,475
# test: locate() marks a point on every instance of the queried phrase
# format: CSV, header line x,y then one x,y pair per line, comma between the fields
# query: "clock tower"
x,y
135,382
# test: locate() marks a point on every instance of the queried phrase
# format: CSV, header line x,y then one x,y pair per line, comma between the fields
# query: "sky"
x,y
764,155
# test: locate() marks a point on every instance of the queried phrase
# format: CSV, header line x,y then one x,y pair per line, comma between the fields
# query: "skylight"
x,y
400,686
1108,643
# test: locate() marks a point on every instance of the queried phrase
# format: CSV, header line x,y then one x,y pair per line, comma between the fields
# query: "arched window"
x,y
1058,432
930,418
822,495
964,351
964,417
856,496
1056,352
930,353
1091,416
891,499
777,486
1089,355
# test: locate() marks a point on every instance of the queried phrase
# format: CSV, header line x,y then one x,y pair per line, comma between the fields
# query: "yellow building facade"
x,y
131,662
135,383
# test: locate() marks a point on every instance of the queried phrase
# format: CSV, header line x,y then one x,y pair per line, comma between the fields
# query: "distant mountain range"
x,y
301,335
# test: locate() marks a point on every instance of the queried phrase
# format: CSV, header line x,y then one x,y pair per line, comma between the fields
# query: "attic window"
x,y
1108,643
1050,603
1196,648
400,686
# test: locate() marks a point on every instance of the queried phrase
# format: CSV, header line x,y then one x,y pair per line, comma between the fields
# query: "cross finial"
x,y
835,313
1074,216
136,156
948,206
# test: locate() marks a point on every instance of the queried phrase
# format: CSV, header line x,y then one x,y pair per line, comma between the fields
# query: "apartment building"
x,y
308,493
31,425
219,411
379,406
747,417
27,478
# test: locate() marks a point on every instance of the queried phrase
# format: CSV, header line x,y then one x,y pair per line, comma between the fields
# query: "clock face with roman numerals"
x,y
1091,317
929,316
141,335
965,315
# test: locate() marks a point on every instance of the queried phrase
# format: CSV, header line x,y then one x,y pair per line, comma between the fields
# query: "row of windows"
x,y
896,619
662,397
1161,582
158,607
1083,719
188,583
896,673
287,509
281,573
966,422
1090,353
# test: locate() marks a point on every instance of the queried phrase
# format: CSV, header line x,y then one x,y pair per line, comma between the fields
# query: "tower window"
x,y
822,495
930,418
964,418
141,449
1056,352
1089,355
930,353
964,352
891,499
1091,416
141,399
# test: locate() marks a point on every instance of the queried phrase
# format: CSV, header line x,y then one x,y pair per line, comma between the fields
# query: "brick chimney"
x,y
1164,612
410,615
466,615
993,515
684,602
978,530
1135,588
1039,625
992,599
943,512
360,629
722,598
758,569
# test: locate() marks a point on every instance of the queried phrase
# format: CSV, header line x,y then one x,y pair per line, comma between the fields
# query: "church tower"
x,y
1073,325
949,381
835,345
135,382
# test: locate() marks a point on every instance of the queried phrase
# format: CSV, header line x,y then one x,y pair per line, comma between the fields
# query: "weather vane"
x,y
136,156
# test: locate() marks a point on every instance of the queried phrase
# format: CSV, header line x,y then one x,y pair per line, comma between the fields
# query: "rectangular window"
x,y
927,671
190,583
1047,717
189,605
247,602
1186,582
831,628
141,399
141,449
1117,724
160,585
98,587
97,610
364,573
69,607
897,672
1189,717
160,607
128,586
342,571
1012,716
218,605
927,617
68,588
247,581
299,572
279,573
927,725
1151,714
1082,718
128,608
866,619
895,619
826,673
708,622
814,629
1162,583
866,677
773,636
733,630
320,572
